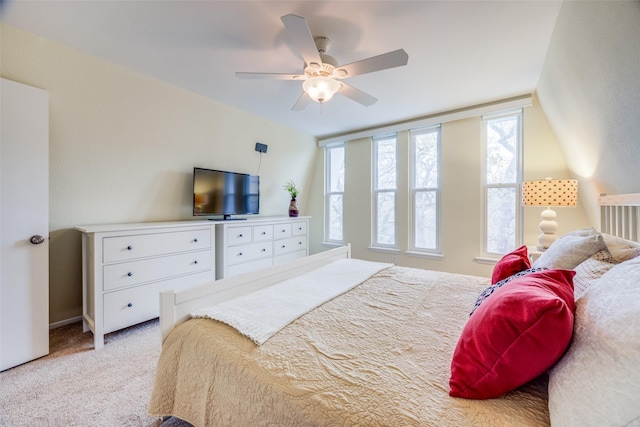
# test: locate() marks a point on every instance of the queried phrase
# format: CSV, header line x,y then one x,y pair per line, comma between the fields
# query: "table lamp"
x,y
549,193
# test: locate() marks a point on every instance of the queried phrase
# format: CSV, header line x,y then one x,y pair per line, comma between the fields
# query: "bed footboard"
x,y
175,307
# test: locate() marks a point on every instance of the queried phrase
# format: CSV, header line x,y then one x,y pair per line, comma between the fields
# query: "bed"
x,y
385,352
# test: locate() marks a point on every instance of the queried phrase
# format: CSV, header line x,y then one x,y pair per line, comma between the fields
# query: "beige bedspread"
x,y
376,356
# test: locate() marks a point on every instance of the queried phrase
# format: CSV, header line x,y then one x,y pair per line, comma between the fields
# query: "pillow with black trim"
x,y
491,289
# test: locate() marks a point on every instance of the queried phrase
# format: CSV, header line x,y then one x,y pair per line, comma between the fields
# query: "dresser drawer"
x,y
262,233
238,251
136,272
289,245
299,228
282,231
289,256
240,254
130,306
239,235
124,248
246,267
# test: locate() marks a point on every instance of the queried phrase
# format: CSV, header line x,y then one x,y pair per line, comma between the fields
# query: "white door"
x,y
24,215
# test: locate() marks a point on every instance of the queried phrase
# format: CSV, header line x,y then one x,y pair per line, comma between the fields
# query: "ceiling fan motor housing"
x,y
329,63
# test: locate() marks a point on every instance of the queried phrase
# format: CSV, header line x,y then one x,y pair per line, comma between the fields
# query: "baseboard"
x,y
65,322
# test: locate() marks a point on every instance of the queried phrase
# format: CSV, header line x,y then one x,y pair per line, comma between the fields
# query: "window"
x,y
385,181
502,178
425,189
334,194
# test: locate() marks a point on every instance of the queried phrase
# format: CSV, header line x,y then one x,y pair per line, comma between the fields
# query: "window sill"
x,y
486,260
427,255
384,250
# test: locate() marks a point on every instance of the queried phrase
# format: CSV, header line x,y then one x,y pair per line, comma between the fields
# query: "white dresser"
x,y
248,245
125,266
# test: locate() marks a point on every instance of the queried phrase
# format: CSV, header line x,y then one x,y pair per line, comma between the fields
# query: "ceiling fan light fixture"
x,y
321,88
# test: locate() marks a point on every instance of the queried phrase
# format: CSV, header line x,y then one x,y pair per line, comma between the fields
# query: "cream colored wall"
x,y
462,202
590,91
123,145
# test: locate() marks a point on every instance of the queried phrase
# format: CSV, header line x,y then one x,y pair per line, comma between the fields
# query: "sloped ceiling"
x,y
461,53
590,92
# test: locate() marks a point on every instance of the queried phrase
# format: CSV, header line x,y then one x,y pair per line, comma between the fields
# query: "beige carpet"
x,y
76,385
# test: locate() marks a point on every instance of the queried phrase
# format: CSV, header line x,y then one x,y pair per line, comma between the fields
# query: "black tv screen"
x,y
225,193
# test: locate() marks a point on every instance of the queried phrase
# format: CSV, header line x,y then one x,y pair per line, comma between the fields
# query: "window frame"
x,y
517,185
329,193
375,244
413,248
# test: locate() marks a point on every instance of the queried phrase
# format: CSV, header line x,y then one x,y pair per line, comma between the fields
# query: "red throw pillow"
x,y
510,264
514,336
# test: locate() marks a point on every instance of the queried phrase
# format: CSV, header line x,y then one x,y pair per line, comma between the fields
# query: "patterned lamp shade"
x,y
550,192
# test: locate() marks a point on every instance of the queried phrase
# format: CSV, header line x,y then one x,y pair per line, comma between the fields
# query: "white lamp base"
x,y
548,226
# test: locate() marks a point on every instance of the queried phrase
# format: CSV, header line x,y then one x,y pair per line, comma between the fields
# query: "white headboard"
x,y
620,215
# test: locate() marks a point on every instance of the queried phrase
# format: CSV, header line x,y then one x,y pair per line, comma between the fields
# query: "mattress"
x,y
378,355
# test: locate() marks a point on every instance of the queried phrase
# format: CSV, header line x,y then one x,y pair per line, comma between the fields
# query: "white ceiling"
x,y
461,53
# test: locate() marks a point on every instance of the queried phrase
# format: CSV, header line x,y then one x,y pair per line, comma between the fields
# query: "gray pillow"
x,y
589,271
571,249
597,382
621,249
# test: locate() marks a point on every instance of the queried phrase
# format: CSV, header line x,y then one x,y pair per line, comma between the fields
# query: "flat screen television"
x,y
225,193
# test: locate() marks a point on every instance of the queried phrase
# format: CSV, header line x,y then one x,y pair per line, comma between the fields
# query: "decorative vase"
x,y
293,207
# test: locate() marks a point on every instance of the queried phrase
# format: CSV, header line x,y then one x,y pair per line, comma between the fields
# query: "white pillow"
x,y
597,382
590,270
571,249
621,249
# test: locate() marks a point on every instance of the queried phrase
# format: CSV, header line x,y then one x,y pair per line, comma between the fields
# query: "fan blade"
x,y
270,76
301,103
357,95
396,58
302,38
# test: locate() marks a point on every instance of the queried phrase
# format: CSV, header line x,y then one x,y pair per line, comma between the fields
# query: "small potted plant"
x,y
293,191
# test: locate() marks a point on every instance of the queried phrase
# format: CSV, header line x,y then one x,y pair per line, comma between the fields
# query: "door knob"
x,y
37,239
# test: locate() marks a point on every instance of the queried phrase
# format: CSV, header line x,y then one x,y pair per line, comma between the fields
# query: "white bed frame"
x,y
176,307
620,215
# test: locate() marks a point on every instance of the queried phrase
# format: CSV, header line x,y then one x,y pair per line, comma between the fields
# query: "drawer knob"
x,y
195,240
130,305
129,247
283,231
239,235
195,262
240,254
263,250
264,232
284,246
299,243
129,274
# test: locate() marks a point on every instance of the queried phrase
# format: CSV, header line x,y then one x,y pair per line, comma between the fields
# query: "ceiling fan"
x,y
322,77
